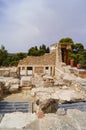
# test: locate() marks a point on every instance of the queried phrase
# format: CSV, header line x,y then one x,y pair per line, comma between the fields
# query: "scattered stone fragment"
x,y
61,111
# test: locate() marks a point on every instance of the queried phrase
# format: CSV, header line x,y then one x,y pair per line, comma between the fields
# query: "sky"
x,y
27,23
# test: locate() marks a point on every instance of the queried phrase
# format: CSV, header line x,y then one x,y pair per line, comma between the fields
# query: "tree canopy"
x,y
7,59
77,47
66,40
78,53
83,59
3,54
35,51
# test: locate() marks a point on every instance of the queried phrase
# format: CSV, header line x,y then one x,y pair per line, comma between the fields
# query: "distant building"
x,y
53,47
46,64
38,64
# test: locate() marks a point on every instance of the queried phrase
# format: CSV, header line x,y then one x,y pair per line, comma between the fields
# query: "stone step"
x,y
9,107
79,105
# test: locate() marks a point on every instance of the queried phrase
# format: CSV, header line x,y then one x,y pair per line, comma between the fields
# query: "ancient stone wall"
x,y
9,72
39,69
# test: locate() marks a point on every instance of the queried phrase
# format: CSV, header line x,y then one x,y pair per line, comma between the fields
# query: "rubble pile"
x,y
10,84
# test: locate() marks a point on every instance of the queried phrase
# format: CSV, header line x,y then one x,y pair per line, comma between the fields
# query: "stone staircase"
x,y
9,107
78,105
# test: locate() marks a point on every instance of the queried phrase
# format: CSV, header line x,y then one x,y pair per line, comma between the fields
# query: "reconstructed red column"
x,y
66,57
62,55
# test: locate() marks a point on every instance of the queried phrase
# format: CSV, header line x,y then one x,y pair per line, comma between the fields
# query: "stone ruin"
x,y
45,92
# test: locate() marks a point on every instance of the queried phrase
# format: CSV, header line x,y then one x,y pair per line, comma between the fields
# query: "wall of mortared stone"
x,y
39,70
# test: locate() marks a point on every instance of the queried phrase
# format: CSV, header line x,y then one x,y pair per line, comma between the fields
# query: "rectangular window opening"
x,y
46,68
29,68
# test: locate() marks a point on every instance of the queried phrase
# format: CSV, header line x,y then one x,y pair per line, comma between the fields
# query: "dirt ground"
x,y
21,96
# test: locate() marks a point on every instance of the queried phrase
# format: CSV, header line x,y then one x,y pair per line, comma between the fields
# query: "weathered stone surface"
x,y
62,95
59,83
67,88
9,72
4,71
82,84
42,80
73,120
6,74
42,93
67,95
48,77
14,72
10,84
17,120
14,88
61,111
1,117
54,122
79,117
37,80
25,81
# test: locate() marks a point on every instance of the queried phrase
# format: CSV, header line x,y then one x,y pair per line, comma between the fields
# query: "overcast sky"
x,y
26,23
